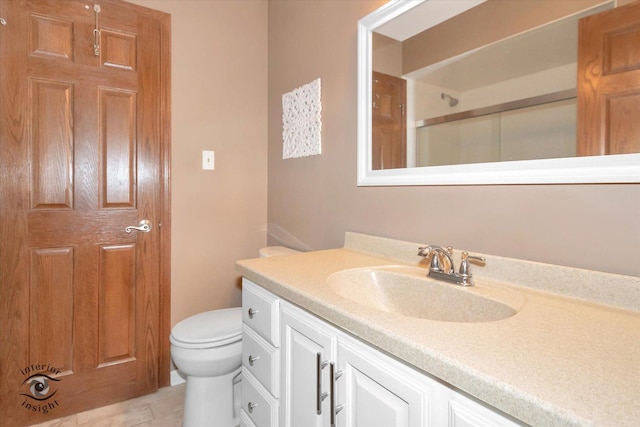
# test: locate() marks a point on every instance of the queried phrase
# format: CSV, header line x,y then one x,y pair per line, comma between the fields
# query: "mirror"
x,y
519,134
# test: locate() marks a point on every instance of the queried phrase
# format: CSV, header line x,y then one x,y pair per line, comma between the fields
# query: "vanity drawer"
x,y
262,360
245,421
259,405
260,310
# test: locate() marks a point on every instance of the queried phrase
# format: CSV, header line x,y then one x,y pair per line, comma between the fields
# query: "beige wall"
x,y
314,200
219,102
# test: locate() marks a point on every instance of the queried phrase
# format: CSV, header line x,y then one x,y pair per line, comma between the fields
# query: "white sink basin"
x,y
409,292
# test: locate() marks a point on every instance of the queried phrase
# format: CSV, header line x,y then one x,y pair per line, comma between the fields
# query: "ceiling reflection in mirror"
x,y
440,100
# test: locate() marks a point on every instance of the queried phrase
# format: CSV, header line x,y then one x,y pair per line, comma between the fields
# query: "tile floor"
x,y
161,409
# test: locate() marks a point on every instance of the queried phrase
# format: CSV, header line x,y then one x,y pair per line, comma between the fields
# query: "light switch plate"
x,y
208,160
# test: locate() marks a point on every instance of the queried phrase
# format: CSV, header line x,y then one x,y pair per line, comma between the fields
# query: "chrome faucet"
x,y
441,264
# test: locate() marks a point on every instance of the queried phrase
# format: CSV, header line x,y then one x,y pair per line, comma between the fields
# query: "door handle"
x,y
332,393
144,226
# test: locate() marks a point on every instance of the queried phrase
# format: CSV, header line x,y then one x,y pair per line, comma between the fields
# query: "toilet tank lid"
x,y
209,327
270,251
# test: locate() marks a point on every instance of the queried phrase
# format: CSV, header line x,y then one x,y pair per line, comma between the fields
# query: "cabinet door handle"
x,y
320,396
250,407
252,313
332,391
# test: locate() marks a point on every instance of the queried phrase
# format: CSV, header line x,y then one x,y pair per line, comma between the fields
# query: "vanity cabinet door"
x,y
305,377
465,412
377,391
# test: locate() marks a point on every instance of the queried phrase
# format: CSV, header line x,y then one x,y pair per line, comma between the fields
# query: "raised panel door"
x,y
307,344
465,412
376,391
83,157
609,82
388,136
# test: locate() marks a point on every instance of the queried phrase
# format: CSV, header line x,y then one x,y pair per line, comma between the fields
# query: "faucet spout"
x,y
440,258
441,264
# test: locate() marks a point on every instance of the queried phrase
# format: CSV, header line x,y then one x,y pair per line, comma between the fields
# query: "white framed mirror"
x,y
611,168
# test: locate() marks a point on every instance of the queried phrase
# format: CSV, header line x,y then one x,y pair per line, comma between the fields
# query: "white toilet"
x,y
207,348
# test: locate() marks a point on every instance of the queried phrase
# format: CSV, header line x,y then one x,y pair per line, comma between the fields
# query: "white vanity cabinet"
x,y
368,389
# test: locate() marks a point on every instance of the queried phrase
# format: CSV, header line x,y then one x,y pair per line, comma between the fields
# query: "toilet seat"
x,y
210,329
271,251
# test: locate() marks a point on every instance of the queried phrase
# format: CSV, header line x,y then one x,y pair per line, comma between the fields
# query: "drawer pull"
x,y
252,359
250,407
252,313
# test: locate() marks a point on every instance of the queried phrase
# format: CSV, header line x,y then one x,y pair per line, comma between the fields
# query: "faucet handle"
x,y
464,264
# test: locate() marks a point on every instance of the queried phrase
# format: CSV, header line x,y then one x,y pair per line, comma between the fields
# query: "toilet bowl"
x,y
207,349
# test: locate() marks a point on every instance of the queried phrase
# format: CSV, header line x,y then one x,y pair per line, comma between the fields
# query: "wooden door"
x,y
609,82
84,154
389,128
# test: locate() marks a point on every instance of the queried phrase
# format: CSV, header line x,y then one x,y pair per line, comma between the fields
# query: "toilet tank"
x,y
270,251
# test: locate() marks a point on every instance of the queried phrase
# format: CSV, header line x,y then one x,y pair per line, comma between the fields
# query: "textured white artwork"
x,y
301,121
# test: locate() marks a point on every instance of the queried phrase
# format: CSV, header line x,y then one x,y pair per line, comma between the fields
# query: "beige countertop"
x,y
570,356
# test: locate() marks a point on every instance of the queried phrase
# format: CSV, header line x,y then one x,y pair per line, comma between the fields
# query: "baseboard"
x,y
177,378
